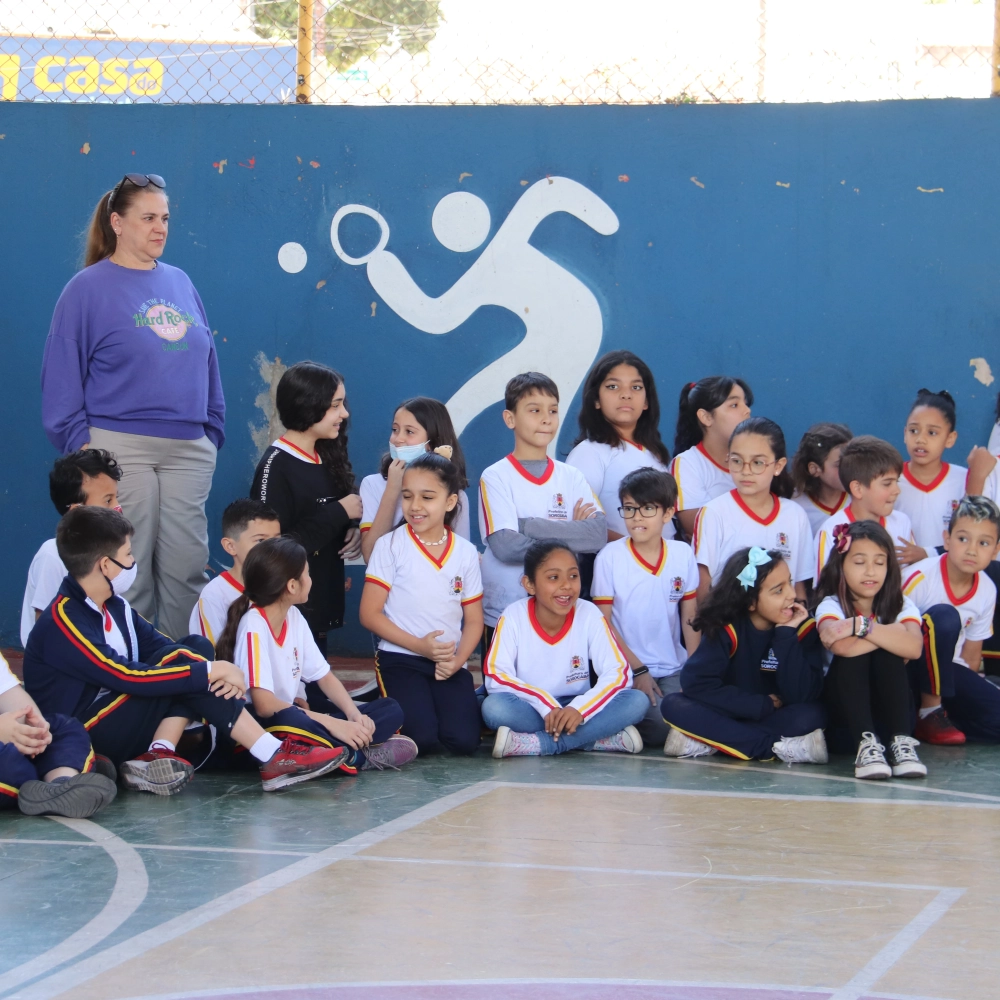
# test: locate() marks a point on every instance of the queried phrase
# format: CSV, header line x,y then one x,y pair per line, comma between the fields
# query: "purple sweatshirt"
x,y
131,351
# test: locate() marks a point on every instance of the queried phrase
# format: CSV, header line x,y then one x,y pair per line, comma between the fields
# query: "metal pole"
x,y
304,62
995,65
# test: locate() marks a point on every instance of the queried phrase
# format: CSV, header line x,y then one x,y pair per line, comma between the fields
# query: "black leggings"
x,y
867,694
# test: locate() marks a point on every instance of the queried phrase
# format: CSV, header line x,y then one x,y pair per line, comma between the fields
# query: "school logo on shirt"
x,y
456,585
676,588
577,671
297,668
952,507
770,662
968,622
165,320
557,512
782,538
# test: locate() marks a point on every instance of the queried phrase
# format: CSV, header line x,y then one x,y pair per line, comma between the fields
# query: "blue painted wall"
x,y
836,292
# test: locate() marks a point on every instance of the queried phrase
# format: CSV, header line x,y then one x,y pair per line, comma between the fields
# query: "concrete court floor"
x,y
583,877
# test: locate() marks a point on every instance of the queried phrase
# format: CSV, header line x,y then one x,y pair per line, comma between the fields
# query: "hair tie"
x,y
842,538
756,557
691,385
444,450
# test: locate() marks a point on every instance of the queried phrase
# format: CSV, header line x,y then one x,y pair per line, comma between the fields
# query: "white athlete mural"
x,y
561,315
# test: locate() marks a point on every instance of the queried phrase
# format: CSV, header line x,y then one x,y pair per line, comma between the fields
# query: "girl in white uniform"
x,y
537,671
419,425
423,597
619,431
757,512
930,489
816,472
706,418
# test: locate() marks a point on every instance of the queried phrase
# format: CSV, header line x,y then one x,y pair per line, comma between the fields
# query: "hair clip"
x,y
444,450
755,557
842,538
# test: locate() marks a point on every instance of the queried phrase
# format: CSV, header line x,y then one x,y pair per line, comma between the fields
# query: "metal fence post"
x,y
304,61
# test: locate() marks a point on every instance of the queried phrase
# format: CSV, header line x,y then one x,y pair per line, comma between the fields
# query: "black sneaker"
x,y
104,766
76,798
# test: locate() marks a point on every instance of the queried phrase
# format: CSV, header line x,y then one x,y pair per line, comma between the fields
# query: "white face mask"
x,y
125,579
407,452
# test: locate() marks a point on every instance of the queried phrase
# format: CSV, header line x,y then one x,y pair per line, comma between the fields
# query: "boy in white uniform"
x,y
869,469
87,478
957,600
647,588
527,497
245,523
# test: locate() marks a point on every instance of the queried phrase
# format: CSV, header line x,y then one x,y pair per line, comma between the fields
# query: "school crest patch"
x,y
782,538
557,501
677,585
770,662
457,585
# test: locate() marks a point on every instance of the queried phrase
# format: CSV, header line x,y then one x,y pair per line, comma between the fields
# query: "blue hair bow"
x,y
756,557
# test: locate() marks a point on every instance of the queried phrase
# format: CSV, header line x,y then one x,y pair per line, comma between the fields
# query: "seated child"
x,y
647,589
419,425
870,630
758,512
87,478
930,488
816,472
47,766
540,699
527,497
752,687
869,470
245,522
269,638
92,657
423,598
957,600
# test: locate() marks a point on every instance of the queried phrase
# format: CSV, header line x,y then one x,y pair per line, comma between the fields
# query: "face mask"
x,y
125,579
407,452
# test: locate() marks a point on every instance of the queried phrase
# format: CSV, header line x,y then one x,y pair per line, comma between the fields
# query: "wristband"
x,y
866,627
640,671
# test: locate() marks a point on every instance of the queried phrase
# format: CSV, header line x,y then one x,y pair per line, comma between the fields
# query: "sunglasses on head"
x,y
140,181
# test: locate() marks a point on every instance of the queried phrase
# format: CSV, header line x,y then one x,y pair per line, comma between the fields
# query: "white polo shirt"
x,y
897,524
927,584
930,507
816,512
45,576
699,478
426,592
526,661
208,616
373,489
726,524
646,599
7,678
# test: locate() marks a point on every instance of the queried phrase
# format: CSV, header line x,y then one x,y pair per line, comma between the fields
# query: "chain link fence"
x,y
379,52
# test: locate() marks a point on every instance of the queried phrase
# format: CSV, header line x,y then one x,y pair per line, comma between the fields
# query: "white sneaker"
x,y
679,745
904,760
627,741
808,749
511,744
870,761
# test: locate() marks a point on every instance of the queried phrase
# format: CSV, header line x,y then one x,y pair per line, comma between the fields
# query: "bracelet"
x,y
866,627
640,671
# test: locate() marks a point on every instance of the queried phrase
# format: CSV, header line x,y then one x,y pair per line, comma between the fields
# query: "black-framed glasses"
x,y
140,181
646,510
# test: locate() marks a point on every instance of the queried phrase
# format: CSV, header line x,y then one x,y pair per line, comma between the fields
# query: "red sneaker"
x,y
939,730
294,762
161,772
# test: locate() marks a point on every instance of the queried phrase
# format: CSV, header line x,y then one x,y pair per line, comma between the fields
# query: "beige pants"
x,y
164,487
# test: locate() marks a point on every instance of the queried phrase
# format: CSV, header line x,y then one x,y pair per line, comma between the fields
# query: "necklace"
x,y
440,541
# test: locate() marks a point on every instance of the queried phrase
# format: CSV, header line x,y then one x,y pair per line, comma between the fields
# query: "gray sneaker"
x,y
394,753
627,741
904,760
77,797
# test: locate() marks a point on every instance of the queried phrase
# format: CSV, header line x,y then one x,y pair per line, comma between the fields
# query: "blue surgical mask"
x,y
407,452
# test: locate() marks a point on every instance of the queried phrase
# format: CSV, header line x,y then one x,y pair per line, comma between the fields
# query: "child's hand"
x,y
800,615
980,462
836,631
648,686
354,734
355,715
444,669
301,703
775,700
394,476
582,511
562,720
434,650
351,548
225,680
351,504
909,552
26,738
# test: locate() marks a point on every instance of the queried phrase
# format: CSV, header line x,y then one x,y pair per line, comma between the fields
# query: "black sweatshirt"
x,y
305,498
737,669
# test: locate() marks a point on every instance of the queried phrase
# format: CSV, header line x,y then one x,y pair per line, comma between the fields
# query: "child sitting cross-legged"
x,y
269,638
752,687
92,657
537,671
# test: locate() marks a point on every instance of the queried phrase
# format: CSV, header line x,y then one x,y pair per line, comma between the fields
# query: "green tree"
x,y
356,29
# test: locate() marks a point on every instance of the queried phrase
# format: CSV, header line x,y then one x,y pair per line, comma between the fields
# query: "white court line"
x,y
888,956
138,945
764,879
131,886
166,847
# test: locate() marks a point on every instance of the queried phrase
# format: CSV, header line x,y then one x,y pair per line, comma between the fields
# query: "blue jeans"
x,y
625,709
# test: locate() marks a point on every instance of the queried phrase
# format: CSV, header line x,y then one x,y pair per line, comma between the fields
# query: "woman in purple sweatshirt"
x,y
130,366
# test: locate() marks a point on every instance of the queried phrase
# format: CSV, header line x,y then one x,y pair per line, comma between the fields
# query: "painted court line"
x,y
131,886
166,847
763,879
111,957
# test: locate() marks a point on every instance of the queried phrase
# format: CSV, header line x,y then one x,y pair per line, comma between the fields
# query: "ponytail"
x,y
101,239
226,646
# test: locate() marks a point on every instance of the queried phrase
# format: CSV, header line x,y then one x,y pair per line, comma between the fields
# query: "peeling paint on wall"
x,y
983,373
272,429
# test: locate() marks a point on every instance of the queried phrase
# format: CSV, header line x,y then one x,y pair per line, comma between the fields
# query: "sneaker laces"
x,y
904,749
870,751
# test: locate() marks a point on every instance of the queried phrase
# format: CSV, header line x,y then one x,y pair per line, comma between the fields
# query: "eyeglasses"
x,y
756,465
647,510
140,181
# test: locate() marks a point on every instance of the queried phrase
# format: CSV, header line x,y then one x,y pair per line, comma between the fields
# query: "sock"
x,y
163,745
266,747
924,712
60,780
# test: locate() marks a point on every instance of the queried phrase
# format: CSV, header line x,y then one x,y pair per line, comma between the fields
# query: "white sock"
x,y
266,747
163,745
924,712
